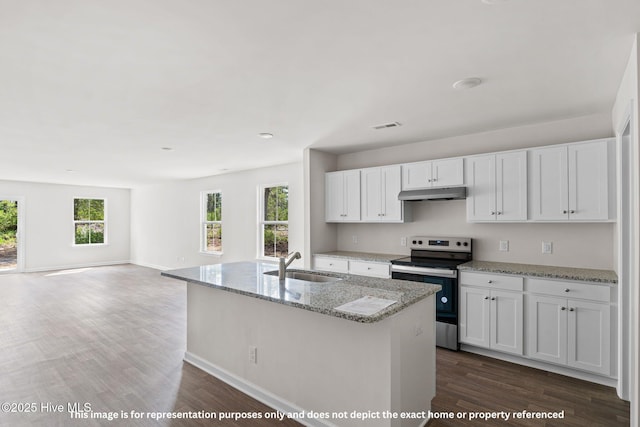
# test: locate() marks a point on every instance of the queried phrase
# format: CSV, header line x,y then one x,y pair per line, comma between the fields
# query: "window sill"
x,y
213,254
89,245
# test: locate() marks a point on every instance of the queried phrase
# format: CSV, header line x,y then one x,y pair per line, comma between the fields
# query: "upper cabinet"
x,y
342,196
497,187
379,192
572,182
434,173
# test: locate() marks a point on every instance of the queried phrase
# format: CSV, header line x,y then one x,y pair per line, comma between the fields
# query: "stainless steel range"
x,y
435,260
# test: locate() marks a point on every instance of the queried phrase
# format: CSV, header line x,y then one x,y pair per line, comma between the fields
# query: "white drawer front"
x,y
493,281
569,289
331,264
374,269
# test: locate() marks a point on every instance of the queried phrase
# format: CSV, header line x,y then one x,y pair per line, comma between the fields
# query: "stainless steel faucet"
x,y
284,263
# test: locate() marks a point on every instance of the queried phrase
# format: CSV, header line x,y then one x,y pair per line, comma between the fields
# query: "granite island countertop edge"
x,y
423,291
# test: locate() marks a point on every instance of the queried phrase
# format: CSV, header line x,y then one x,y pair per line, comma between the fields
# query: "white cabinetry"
x,y
380,188
337,265
569,323
342,196
491,312
572,182
497,187
435,173
351,266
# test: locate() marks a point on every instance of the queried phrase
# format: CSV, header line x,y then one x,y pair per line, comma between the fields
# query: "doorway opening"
x,y
8,235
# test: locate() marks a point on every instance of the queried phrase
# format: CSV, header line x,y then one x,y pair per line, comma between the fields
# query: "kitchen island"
x,y
285,343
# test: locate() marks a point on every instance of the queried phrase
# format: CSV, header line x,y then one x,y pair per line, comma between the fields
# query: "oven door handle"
x,y
438,272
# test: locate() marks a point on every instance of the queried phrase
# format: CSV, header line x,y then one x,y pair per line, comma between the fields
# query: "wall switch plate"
x,y
253,355
547,247
354,239
403,241
504,246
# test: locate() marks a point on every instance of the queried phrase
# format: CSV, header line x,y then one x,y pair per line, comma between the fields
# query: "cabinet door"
x,y
334,196
511,186
371,194
351,195
474,316
547,328
549,184
506,321
391,185
589,336
481,188
588,181
447,173
416,176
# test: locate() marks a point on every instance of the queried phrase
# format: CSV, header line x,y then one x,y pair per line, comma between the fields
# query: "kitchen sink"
x,y
305,276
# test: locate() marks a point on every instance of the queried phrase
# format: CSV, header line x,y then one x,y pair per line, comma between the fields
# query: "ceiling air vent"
x,y
387,125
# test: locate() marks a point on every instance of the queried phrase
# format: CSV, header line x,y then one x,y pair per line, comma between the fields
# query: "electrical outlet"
x,y
355,239
417,330
547,247
253,355
403,241
504,246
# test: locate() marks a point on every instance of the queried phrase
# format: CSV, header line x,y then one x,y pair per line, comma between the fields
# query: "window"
x,y
274,221
212,222
89,221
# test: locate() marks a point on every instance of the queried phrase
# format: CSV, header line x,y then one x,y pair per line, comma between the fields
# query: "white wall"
x,y
165,218
319,235
574,245
48,225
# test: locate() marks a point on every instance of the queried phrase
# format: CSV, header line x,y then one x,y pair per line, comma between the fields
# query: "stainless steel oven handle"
x,y
437,272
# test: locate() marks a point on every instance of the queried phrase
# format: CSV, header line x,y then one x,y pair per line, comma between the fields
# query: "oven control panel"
x,y
451,244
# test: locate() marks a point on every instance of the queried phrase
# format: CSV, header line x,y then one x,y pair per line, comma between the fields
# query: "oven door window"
x,y
446,299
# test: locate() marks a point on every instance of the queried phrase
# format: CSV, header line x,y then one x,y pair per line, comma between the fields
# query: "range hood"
x,y
451,193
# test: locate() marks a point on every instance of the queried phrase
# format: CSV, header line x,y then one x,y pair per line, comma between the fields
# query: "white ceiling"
x,y
100,87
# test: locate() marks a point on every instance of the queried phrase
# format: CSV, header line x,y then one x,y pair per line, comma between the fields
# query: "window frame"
x,y
262,222
204,222
104,221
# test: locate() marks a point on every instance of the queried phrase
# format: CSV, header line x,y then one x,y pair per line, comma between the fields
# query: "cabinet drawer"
x,y
374,269
331,264
568,289
493,281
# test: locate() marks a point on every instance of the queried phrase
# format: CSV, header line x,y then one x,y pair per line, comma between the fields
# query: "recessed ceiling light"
x,y
265,135
167,149
468,83
70,171
387,125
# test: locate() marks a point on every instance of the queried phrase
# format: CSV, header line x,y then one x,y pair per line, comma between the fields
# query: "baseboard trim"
x,y
256,392
149,265
586,376
74,266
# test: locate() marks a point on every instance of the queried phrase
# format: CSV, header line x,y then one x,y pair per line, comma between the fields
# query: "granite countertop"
x,y
248,278
551,272
361,256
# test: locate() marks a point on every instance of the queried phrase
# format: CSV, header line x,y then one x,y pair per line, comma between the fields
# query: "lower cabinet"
x,y
349,266
569,332
490,317
566,323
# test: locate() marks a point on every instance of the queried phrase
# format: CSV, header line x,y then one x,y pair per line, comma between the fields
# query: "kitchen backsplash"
x,y
573,244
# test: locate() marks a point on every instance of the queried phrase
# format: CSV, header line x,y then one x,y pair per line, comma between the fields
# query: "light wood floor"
x,y
115,337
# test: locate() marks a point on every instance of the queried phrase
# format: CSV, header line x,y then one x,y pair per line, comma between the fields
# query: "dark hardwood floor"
x,y
468,383
114,337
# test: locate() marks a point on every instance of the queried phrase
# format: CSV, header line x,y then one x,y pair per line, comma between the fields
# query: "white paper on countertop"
x,y
366,305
